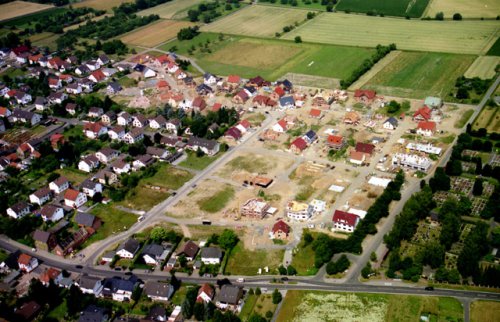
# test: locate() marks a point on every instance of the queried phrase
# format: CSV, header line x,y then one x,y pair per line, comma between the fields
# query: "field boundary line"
x,y
381,64
268,4
490,43
426,11
28,14
302,25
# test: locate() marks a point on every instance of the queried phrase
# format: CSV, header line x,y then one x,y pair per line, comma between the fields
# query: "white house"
x,y
94,130
173,125
209,79
211,255
344,221
52,213
298,210
41,196
123,119
116,133
205,293
133,136
90,285
128,249
158,122
59,185
88,163
106,155
90,188
74,198
390,124
157,291
280,127
18,210
27,263
120,166
154,254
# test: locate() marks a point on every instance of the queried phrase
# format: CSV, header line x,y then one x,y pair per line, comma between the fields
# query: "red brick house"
x,y
365,96
336,142
422,114
298,145
280,230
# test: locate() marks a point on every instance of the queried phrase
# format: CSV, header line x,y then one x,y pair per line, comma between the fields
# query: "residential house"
x,y
40,104
91,188
173,125
56,141
426,128
205,293
142,161
120,167
310,137
87,220
234,80
103,59
44,240
106,155
71,108
422,114
27,263
113,88
357,158
433,102
128,249
243,126
366,148
59,185
106,177
209,147
94,314
211,255
74,198
119,289
54,83
90,285
41,196
280,127
93,130
280,230
57,97
233,134
158,291
209,79
97,76
255,208
5,112
123,119
189,250
52,213
241,97
74,89
298,210
315,113
82,70
139,121
336,142
412,161
116,133
298,145
204,89
287,102
229,297
50,274
390,124
18,210
23,116
157,153
199,104
108,117
95,112
344,221
257,81
154,254
28,311
93,65
365,96
352,118
158,122
88,163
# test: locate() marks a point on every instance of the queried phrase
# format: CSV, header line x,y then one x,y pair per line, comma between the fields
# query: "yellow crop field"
x,y
154,34
20,8
483,67
257,21
176,9
100,4
467,8
464,37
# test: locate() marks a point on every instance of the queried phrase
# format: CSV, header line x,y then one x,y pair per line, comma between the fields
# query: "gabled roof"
x,y
235,79
49,210
233,132
154,288
153,250
345,218
71,194
189,249
424,112
392,120
366,93
335,139
427,125
207,289
281,226
88,282
41,236
365,147
130,245
299,143
24,259
211,252
230,294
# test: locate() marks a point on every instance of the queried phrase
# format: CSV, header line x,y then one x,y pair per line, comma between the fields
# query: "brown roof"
x,y
281,226
207,289
189,249
71,194
24,259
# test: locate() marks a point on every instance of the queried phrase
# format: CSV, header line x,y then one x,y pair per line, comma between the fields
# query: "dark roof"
x,y
84,219
88,282
365,147
28,311
130,245
41,236
89,184
20,206
311,135
392,120
196,141
154,288
230,294
116,87
93,314
211,252
189,249
153,250
115,283
287,100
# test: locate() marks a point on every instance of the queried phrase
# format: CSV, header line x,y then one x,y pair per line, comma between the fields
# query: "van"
x,y
141,218
240,280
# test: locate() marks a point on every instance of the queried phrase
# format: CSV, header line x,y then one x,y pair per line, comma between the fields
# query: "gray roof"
x,y
88,282
20,206
153,250
230,294
89,184
41,236
131,245
153,288
287,100
392,120
211,252
84,219
93,314
196,141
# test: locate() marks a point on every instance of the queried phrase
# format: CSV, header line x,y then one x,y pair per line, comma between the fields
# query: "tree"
x,y
183,261
462,93
282,270
440,181
479,166
433,254
258,291
277,297
457,16
367,270
136,294
298,39
393,107
373,257
257,318
199,311
291,270
250,291
228,239
439,16
308,238
477,189
158,234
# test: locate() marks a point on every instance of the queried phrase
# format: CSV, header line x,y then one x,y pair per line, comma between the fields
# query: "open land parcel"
x,y
20,8
410,8
483,67
176,9
100,4
468,9
155,33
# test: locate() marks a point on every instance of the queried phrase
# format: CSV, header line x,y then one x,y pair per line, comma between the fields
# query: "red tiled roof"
x,y
425,112
365,147
233,132
283,124
281,226
345,217
245,124
94,127
280,91
98,75
300,143
3,111
427,125
315,112
49,274
233,79
207,289
24,259
335,139
71,194
162,83
216,107
367,93
355,155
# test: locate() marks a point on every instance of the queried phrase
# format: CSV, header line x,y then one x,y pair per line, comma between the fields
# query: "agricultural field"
x,y
465,37
495,49
20,8
488,119
483,67
468,9
257,21
271,59
154,34
322,306
413,9
484,311
45,39
176,9
107,5
416,75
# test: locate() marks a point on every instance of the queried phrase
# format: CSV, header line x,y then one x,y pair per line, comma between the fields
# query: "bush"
x,y
457,16
439,16
277,297
298,39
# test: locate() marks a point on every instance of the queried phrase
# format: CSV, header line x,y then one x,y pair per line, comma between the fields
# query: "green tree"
x,y
228,239
258,291
158,234
277,297
439,16
255,317
457,16
367,270
291,271
477,189
199,311
298,39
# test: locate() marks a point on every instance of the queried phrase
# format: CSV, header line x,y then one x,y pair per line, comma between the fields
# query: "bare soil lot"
x,y
20,8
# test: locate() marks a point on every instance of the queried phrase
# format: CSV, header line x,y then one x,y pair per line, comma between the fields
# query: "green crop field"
x,y
329,306
271,59
495,49
465,37
416,75
173,9
401,8
257,21
467,8
483,67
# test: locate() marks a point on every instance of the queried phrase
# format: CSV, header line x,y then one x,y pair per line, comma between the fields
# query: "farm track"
x,y
365,78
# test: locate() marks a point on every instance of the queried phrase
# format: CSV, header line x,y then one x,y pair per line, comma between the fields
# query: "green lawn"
x,y
270,58
3,255
303,260
74,131
329,306
401,8
113,221
417,75
12,72
198,163
495,49
257,304
218,201
169,177
245,262
127,82
73,175
142,198
59,312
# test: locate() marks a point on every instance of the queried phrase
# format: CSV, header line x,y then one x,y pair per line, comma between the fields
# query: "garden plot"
x,y
450,260
441,196
426,232
495,160
469,167
408,249
462,185
470,153
478,205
